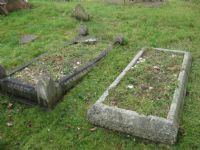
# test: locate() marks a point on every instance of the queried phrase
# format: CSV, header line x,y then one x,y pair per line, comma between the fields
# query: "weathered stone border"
x,y
48,92
149,127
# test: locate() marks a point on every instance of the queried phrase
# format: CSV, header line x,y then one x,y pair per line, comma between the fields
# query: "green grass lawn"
x,y
175,26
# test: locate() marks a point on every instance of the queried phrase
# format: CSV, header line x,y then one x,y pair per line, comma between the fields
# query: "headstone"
x,y
119,40
83,30
80,13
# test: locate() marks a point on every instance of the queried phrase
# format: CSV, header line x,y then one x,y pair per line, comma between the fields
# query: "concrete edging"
x,y
47,92
149,127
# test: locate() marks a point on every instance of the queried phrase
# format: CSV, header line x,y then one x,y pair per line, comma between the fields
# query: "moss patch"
x,y
149,86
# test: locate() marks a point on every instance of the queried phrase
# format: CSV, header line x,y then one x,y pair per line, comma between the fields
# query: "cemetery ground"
x,y
175,25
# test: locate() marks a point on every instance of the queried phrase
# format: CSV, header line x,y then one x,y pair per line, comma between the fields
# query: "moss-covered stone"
x,y
83,30
80,13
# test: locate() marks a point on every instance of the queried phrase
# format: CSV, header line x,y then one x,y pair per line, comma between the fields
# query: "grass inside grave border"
x,y
59,63
148,87
152,127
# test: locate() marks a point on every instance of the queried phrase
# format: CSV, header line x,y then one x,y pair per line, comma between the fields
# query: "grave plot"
x,y
60,63
47,78
146,99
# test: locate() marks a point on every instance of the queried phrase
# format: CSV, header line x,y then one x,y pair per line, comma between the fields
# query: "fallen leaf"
x,y
173,55
9,124
119,146
144,86
140,58
29,124
156,67
173,68
130,86
68,126
114,103
150,88
78,63
51,141
93,129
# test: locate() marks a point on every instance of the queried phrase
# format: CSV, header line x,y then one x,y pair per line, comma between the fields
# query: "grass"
x,y
61,62
174,26
149,86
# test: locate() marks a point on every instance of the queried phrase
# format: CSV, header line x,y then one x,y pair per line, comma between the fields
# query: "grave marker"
x,y
124,118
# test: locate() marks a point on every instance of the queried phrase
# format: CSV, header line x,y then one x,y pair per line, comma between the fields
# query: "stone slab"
x,y
27,39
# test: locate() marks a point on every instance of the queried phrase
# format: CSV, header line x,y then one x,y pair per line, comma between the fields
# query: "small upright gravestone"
x,y
80,13
119,40
83,30
83,36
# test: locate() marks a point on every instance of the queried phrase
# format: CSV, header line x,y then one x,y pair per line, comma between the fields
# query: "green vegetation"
x,y
149,86
175,26
61,62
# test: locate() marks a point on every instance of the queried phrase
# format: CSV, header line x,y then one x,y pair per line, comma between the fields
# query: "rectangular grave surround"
x,y
47,91
160,129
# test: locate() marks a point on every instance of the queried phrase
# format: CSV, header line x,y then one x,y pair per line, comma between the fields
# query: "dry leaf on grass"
x,y
93,129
